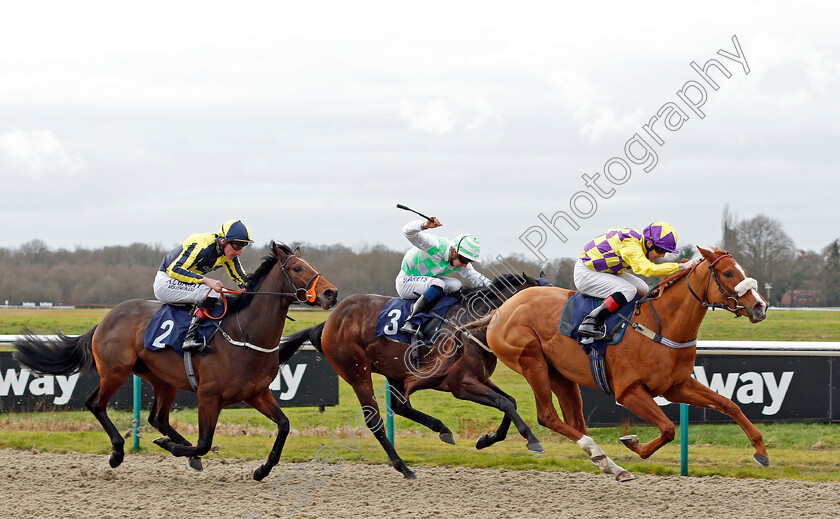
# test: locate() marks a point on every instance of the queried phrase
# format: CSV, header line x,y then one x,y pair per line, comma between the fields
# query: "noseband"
x,y
728,294
308,290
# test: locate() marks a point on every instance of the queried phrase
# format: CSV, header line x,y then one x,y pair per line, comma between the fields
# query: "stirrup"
x,y
195,345
409,327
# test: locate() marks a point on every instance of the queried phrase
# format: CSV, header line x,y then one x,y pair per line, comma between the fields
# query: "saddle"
x,y
169,326
579,306
393,315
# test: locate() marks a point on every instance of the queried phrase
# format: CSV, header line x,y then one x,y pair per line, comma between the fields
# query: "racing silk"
x,y
620,250
430,256
198,255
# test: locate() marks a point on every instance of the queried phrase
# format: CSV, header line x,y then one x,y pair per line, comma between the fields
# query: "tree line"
x,y
107,276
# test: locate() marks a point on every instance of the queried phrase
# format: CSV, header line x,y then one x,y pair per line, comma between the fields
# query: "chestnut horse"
x,y
453,364
525,336
228,374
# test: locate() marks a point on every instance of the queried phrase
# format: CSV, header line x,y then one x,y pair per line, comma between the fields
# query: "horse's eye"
x,y
297,269
728,274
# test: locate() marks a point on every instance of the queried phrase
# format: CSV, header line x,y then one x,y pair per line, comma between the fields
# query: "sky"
x,y
534,125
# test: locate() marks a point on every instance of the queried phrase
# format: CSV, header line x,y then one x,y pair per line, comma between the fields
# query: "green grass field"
x,y
797,451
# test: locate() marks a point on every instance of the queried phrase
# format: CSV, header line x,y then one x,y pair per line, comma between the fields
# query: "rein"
x,y
653,295
308,292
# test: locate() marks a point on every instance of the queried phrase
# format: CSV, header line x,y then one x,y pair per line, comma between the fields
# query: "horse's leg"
x,y
571,403
473,390
401,405
535,369
639,402
360,380
159,415
209,408
487,440
97,404
267,405
694,393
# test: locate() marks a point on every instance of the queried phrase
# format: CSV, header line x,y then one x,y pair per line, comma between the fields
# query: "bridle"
x,y
729,295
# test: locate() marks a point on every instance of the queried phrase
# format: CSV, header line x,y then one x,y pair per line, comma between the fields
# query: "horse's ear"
x,y
542,274
297,251
709,255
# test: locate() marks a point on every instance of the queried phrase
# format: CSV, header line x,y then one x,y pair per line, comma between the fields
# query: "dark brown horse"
x,y
227,375
454,363
525,336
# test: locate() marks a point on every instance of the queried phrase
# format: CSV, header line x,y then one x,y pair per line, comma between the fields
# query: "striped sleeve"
x,y
473,276
178,269
236,272
413,232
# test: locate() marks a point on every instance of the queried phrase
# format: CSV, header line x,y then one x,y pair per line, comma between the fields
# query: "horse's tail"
x,y
293,342
61,356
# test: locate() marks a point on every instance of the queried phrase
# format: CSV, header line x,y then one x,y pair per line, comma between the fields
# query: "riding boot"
x,y
423,304
192,342
593,324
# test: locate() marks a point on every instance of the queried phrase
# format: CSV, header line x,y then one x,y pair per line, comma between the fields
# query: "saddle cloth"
x,y
393,315
169,326
579,306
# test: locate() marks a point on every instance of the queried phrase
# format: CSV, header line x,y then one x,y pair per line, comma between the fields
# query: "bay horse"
x,y
525,336
451,364
228,374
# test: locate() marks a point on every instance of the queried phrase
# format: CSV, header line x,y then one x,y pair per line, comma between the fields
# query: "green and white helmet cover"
x,y
467,245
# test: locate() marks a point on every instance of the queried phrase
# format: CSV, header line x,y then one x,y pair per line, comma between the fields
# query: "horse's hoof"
x,y
115,459
624,475
409,475
762,460
261,472
629,440
447,438
195,463
536,447
162,442
483,441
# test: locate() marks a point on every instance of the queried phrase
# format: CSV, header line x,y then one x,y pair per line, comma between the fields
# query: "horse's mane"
x,y
240,302
671,280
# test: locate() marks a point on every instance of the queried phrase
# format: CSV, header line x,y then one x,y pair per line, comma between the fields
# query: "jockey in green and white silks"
x,y
431,258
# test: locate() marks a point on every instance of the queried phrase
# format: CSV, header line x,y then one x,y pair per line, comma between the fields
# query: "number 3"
x,y
391,327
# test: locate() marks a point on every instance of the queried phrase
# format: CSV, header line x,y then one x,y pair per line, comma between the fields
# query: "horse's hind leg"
x,y
159,415
97,404
571,403
401,405
696,394
490,395
535,369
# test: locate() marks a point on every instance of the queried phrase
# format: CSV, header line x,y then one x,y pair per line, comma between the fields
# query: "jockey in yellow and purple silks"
x,y
431,258
180,278
603,270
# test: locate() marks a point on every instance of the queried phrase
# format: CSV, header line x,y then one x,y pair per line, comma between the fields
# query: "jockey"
x,y
431,258
602,271
180,278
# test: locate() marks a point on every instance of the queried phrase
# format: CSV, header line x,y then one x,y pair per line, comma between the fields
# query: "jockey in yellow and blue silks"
x,y
431,258
604,269
180,278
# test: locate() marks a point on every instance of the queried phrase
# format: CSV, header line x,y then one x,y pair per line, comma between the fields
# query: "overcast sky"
x,y
311,121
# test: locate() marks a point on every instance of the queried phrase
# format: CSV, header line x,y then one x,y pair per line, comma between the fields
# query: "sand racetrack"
x,y
149,486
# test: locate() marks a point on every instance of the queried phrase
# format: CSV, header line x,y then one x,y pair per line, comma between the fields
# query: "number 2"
x,y
167,327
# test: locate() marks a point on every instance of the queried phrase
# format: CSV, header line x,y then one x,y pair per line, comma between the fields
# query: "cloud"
x,y
439,117
38,152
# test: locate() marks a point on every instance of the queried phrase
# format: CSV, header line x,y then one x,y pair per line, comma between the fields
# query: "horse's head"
x,y
735,292
305,282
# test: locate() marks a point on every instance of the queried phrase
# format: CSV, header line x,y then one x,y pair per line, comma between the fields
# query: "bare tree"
x,y
767,252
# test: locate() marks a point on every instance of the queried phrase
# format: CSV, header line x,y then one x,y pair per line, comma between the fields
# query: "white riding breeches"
x,y
172,291
412,287
602,284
